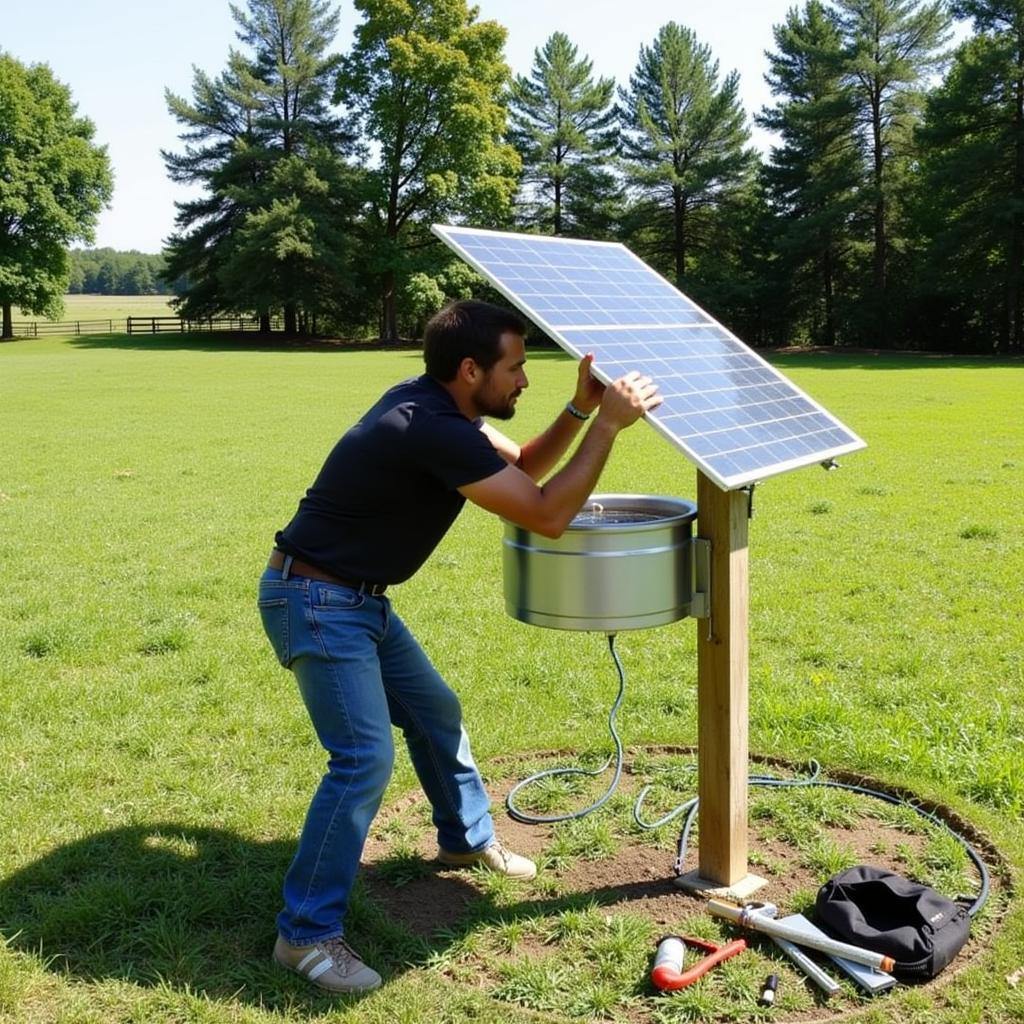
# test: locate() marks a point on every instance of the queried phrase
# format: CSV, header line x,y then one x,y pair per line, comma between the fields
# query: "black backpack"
x,y
886,913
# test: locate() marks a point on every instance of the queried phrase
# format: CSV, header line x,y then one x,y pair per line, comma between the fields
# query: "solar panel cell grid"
x,y
724,407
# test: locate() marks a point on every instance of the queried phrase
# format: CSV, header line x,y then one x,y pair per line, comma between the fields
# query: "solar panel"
x,y
724,407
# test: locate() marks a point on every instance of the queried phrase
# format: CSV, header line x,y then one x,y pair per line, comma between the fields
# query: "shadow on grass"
x,y
244,342
194,908
248,342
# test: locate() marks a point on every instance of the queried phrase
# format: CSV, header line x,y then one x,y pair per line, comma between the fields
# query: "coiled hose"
x,y
691,807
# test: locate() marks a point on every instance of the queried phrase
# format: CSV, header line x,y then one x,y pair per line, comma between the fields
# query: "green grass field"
x,y
109,307
155,762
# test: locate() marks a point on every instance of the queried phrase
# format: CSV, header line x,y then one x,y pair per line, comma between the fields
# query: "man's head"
x,y
467,329
476,350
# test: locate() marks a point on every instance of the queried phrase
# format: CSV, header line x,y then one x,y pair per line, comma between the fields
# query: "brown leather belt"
x,y
300,568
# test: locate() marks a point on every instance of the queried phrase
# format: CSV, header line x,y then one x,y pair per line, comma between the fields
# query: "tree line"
x,y
889,212
113,272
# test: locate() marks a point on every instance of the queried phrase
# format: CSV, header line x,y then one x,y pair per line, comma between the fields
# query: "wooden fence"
x,y
44,328
178,325
141,325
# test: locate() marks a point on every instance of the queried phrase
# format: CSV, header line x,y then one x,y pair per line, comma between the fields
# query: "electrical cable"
x,y
691,807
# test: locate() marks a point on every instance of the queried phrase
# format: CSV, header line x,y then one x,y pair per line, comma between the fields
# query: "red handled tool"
x,y
668,974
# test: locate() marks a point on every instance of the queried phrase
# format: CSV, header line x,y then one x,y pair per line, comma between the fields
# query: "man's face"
x,y
502,384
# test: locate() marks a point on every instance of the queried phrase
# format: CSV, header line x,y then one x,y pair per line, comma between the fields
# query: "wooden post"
x,y
722,709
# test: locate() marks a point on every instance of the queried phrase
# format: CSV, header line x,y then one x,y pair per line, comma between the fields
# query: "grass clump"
x,y
535,984
975,531
589,838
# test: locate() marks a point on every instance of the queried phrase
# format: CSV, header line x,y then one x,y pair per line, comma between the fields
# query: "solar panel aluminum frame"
x,y
449,234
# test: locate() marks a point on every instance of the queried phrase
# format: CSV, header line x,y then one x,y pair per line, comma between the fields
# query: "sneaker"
x,y
332,964
494,858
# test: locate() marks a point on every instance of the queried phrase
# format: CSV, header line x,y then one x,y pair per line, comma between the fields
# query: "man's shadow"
x,y
177,905
194,908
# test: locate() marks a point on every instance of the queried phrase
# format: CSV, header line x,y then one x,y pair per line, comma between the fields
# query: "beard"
x,y
496,406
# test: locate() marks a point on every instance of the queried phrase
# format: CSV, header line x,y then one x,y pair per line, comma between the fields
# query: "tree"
x,y
563,124
683,143
813,174
256,137
425,82
891,46
53,183
971,197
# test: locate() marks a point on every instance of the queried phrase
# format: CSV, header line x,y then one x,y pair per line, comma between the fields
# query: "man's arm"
x,y
538,456
512,494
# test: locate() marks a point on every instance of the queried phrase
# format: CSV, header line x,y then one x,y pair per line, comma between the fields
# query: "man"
x,y
386,495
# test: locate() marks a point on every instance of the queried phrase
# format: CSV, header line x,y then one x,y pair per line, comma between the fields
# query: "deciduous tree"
x,y
54,180
425,83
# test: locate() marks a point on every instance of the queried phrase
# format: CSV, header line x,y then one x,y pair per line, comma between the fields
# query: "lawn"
x,y
155,762
109,307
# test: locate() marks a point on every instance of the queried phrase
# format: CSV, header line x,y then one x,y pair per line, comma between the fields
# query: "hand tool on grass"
x,y
668,974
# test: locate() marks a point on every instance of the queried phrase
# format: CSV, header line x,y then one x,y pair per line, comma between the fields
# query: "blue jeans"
x,y
360,671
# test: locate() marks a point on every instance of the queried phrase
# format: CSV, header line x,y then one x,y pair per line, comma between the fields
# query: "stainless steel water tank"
x,y
623,563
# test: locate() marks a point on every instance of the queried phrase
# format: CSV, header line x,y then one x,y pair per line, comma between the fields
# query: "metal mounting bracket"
x,y
700,603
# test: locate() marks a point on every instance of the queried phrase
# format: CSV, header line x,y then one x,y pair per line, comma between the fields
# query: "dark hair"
x,y
467,328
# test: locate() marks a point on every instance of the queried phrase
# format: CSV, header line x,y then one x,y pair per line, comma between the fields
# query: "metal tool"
x,y
820,977
762,923
871,980
668,974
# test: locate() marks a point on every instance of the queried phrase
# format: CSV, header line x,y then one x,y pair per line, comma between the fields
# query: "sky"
x,y
118,57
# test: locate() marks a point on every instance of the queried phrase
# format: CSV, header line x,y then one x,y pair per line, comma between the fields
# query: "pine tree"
x,y
683,143
563,124
245,133
425,84
971,197
891,46
813,174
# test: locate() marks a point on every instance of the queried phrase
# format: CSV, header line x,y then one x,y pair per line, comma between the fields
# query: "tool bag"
x,y
886,913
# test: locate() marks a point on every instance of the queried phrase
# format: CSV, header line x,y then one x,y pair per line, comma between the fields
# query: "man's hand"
x,y
627,399
514,494
588,388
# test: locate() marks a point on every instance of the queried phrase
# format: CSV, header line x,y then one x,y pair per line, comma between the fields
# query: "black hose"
x,y
692,806
618,757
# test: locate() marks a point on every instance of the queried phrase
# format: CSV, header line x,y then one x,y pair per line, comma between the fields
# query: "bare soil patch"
x,y
578,942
